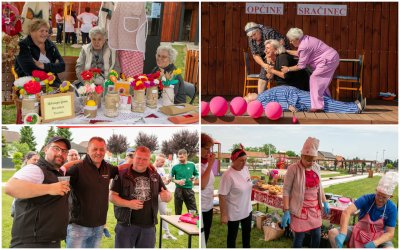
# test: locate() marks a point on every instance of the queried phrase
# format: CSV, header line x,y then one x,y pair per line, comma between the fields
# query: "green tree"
x,y
268,149
389,166
4,147
66,133
117,144
17,160
291,153
50,134
19,147
28,137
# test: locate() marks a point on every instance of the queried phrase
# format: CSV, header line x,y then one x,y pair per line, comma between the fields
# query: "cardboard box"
x,y
260,220
272,233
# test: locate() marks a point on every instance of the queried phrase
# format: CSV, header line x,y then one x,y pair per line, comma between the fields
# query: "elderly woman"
x,y
235,199
31,158
207,183
165,57
37,52
258,34
277,57
96,54
322,59
304,197
294,99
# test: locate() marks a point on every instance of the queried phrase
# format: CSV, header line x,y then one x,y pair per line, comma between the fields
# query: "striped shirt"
x,y
291,96
267,33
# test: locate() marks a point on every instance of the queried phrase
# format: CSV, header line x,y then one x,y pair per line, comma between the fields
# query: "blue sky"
x,y
346,140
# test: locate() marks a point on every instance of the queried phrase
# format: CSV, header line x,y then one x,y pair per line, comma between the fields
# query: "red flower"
x,y
32,87
95,70
140,87
87,75
98,89
156,75
29,119
41,75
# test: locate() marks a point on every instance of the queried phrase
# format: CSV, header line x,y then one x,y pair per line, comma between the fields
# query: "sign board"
x,y
57,107
264,8
321,10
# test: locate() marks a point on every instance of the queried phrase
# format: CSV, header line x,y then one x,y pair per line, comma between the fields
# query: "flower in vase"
x,y
64,87
91,103
99,89
22,92
39,74
19,83
50,78
32,87
87,75
178,71
82,90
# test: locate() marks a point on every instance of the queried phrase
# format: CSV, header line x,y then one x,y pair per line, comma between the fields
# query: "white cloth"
x,y
162,208
388,183
207,194
31,173
69,24
237,185
161,171
59,18
43,59
310,147
88,19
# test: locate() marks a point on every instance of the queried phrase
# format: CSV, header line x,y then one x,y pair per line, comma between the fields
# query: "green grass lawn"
x,y
352,189
181,241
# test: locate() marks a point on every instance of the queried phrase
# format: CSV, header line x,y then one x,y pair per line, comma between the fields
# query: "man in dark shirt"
x,y
90,181
134,193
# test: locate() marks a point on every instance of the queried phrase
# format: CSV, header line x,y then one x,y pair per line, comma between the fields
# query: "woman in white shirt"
x,y
235,199
69,28
207,183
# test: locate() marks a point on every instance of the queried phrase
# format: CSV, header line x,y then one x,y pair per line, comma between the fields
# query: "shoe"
x,y
169,237
361,105
180,233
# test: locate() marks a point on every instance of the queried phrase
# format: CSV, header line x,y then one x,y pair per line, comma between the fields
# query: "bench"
x,y
69,74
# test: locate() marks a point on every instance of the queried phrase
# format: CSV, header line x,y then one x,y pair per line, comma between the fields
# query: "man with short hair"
x,y
183,175
38,192
134,193
90,180
87,20
73,155
162,206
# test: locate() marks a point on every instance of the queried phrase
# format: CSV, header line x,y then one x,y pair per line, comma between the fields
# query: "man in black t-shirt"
x,y
134,193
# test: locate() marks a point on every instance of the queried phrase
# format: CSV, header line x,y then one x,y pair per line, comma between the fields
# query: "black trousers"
x,y
85,38
207,221
54,244
59,32
233,228
184,195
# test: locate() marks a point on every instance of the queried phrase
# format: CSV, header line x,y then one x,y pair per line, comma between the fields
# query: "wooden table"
x,y
189,229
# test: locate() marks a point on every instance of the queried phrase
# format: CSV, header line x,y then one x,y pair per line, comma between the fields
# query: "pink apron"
x,y
367,230
310,217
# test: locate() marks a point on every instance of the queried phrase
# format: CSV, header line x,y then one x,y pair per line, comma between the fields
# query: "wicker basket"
x,y
271,233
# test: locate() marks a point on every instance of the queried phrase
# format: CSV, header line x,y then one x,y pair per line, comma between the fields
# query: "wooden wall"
x,y
369,28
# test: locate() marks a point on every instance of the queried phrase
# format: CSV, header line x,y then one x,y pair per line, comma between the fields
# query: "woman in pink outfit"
x,y
321,58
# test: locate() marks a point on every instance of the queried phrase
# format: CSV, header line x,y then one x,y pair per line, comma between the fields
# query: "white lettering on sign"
x,y
264,8
321,10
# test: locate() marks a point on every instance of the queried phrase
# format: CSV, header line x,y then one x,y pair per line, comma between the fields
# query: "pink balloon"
x,y
255,109
205,108
273,111
238,106
218,106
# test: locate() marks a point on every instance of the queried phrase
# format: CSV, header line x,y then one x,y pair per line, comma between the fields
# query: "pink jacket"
x,y
295,185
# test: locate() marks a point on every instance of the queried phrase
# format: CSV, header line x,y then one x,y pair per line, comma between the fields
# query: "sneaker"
x,y
169,237
361,105
180,233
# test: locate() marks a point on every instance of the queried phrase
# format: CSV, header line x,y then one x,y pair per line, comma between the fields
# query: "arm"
x,y
292,52
24,190
259,61
70,164
56,67
344,219
224,209
205,176
25,60
117,200
286,69
165,195
387,236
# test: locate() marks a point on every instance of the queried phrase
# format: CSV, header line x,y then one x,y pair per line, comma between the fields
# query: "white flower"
x,y
81,90
92,87
163,78
22,80
156,81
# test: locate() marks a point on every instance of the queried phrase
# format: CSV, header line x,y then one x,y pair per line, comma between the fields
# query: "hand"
x,y
293,109
269,69
370,244
326,207
59,188
165,195
211,159
135,204
285,219
224,219
339,240
285,69
180,182
39,64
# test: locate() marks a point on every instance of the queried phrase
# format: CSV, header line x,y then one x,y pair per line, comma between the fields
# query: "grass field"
x,y
352,189
181,241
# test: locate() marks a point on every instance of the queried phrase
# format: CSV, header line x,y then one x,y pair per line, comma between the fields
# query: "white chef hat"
x,y
310,147
388,183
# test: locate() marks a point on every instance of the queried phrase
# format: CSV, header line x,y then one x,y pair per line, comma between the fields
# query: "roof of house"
x,y
10,136
327,155
81,149
249,154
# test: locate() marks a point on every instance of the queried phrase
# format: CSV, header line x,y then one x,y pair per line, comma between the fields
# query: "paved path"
x,y
328,183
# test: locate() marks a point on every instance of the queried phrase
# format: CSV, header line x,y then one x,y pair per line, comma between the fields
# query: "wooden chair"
x,y
69,74
342,82
247,76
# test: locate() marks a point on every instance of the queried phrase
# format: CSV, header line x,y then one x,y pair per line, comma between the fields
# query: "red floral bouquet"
x,y
32,87
87,75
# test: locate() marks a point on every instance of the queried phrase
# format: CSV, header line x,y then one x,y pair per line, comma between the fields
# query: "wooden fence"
x,y
192,67
369,28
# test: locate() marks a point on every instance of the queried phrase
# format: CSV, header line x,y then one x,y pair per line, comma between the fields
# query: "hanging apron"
x,y
367,230
310,217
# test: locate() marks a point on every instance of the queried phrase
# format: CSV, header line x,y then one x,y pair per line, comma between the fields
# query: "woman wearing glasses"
x,y
321,58
303,196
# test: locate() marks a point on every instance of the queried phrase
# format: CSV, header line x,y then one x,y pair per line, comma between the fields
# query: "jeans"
x,y
85,38
162,208
233,228
59,32
315,238
184,195
135,236
207,221
83,237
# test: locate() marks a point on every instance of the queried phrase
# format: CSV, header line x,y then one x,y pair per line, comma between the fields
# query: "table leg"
x,y
190,241
160,239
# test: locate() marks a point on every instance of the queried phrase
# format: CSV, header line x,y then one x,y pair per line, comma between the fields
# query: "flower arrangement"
x,y
89,89
64,87
169,79
46,78
144,81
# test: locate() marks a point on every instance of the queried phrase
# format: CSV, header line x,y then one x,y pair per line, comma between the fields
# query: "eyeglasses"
x,y
59,150
380,196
